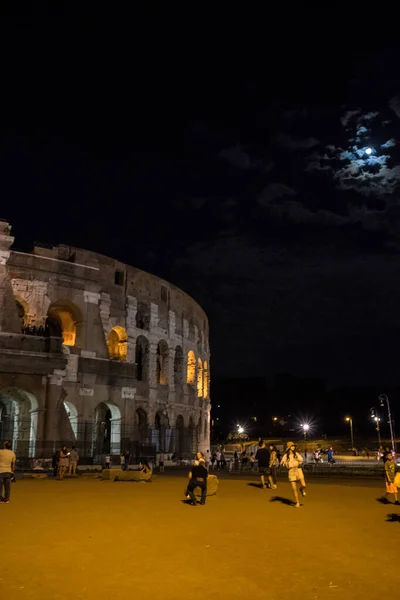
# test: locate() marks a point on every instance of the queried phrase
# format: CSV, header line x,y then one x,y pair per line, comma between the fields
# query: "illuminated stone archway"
x,y
199,378
191,368
72,414
19,420
205,380
64,320
161,432
117,344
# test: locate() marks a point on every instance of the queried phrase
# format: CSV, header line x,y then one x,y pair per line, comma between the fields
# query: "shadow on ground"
x,y
383,500
393,518
256,485
283,500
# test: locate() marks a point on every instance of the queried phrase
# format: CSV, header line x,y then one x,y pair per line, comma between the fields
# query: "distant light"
x,y
368,151
275,418
306,427
240,430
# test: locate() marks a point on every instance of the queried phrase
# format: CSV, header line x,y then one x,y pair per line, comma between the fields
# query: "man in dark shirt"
x,y
262,457
197,478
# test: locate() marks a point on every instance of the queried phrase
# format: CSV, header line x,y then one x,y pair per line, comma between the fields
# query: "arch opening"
x,y
64,320
143,425
191,368
161,432
143,316
107,429
180,436
205,379
162,363
178,366
19,420
199,378
117,344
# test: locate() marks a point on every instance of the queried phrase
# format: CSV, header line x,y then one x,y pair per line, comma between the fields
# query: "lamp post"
x,y
350,421
383,398
305,427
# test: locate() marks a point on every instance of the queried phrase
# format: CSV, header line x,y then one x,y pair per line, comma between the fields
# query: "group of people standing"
x,y
269,461
64,461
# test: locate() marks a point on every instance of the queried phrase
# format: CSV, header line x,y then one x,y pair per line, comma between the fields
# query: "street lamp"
x,y
305,427
383,398
350,421
374,416
240,429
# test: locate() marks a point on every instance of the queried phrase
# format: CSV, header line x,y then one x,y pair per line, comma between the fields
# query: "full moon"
x,y
368,151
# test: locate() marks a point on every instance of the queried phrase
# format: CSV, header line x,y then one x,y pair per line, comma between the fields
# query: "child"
x,y
293,461
390,471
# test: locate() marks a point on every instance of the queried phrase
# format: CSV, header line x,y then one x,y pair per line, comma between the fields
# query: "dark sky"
x,y
226,153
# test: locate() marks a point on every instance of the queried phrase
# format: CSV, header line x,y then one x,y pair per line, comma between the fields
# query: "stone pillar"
x,y
153,316
93,338
185,329
153,365
171,324
105,306
131,310
38,417
55,394
171,370
9,321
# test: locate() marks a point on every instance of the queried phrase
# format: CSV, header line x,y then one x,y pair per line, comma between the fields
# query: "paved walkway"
x,y
87,539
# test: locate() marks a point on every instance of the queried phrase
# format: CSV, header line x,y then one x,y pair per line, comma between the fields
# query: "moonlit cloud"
x,y
273,191
354,167
237,157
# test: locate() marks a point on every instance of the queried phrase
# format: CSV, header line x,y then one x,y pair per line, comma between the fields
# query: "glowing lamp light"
x,y
306,427
368,151
240,429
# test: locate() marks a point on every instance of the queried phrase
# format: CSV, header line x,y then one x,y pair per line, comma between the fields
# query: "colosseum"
x,y
100,355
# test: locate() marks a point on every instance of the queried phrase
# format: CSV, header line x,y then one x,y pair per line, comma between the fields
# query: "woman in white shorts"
x,y
293,460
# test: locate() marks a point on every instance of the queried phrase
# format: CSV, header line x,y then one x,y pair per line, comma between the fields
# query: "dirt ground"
x,y
87,539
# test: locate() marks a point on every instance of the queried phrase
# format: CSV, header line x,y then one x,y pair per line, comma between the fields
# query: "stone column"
x,y
131,310
153,365
171,324
55,394
185,329
93,338
153,316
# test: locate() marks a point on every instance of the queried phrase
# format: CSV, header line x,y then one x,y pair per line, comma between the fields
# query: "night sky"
x,y
226,153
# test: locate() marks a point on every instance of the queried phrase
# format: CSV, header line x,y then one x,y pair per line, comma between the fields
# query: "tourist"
x,y
262,458
54,462
213,460
273,463
293,460
252,460
223,461
244,459
122,461
145,467
331,460
218,456
200,459
127,457
73,461
390,472
236,461
107,461
63,462
208,460
7,468
161,463
197,478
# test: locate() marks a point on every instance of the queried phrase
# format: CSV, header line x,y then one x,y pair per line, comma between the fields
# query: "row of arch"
x,y
64,320
197,372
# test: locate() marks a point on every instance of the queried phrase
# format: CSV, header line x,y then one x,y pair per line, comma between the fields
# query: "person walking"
x,y
252,460
122,461
293,460
73,460
262,458
54,463
273,463
63,462
218,456
390,472
7,468
197,478
161,463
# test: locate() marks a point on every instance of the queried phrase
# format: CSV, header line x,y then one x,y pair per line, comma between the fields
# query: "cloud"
x,y
389,144
394,104
237,157
272,192
286,141
348,116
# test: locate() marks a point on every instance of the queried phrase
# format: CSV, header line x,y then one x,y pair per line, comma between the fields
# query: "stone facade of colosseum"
x,y
100,355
